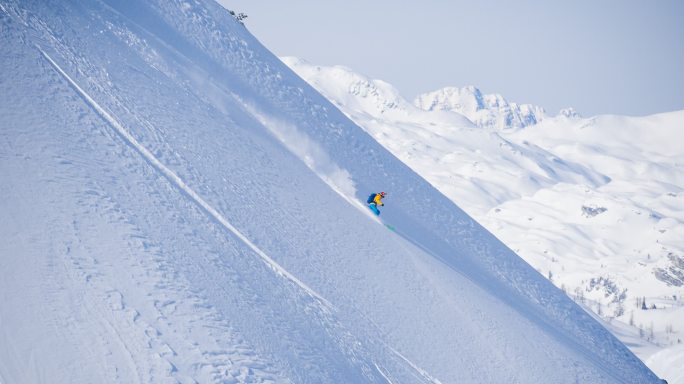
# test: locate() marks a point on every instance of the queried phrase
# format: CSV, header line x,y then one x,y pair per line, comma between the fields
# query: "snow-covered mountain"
x,y
492,111
359,94
596,211
179,206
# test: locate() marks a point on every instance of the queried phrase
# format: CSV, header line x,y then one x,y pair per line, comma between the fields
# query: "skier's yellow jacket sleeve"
x,y
378,200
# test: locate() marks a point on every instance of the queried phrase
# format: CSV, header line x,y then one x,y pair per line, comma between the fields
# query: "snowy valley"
x,y
597,212
179,206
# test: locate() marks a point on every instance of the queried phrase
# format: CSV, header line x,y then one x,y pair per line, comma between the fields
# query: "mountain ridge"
x,y
485,110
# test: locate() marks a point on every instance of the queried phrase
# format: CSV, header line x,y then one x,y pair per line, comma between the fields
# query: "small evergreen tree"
x,y
651,335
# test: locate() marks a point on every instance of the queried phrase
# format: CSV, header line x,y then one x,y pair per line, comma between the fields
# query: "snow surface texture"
x,y
177,208
597,211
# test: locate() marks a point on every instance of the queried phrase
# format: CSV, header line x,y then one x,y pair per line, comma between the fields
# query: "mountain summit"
x,y
491,110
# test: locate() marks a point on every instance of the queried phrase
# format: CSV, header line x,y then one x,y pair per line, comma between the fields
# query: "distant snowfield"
x,y
178,206
596,204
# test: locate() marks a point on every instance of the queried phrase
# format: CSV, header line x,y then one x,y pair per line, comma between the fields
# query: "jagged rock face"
x,y
570,113
485,110
674,274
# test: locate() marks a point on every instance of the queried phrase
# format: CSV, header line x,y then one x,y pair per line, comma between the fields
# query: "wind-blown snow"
x,y
181,207
312,155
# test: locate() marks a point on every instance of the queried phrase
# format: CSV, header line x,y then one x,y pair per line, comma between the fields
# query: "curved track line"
x,y
180,184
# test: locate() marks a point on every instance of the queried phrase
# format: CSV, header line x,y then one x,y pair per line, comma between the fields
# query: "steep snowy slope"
x,y
563,193
181,207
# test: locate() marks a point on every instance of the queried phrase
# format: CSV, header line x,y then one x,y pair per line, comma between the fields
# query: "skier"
x,y
374,200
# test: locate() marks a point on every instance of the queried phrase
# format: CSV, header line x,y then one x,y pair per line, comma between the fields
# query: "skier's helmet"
x,y
382,194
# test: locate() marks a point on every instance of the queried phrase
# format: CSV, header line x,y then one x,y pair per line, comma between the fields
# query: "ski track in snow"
x,y
119,318
181,184
326,306
125,335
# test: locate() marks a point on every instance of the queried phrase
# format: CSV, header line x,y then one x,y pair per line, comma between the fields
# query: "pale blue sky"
x,y
602,56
